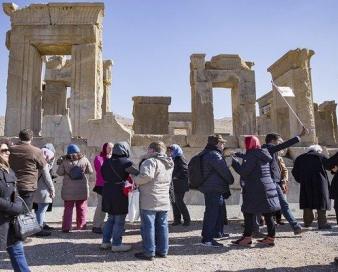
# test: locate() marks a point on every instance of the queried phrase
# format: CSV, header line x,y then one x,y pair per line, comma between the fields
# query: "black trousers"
x,y
336,215
27,196
179,208
249,224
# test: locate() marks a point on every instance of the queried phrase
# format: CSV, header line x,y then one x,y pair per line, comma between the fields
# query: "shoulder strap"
x,y
115,172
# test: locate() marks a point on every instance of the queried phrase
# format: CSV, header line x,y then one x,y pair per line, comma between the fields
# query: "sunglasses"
x,y
4,150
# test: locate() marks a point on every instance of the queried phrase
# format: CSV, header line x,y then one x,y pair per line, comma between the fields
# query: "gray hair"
x,y
316,148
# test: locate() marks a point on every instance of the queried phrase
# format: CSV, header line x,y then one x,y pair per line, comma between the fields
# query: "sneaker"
x,y
43,233
97,230
159,255
297,230
46,227
222,236
142,256
121,248
212,243
175,223
325,227
105,246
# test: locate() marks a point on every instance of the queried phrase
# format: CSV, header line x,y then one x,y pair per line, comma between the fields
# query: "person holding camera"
x,y
10,206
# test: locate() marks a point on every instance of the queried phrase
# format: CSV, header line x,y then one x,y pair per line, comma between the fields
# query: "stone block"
x,y
106,130
57,127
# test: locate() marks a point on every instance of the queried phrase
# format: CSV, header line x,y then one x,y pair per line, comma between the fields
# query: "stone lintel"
x,y
228,62
165,100
56,14
263,100
293,59
180,116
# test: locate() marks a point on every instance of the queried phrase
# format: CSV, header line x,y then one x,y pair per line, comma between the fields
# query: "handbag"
x,y
25,224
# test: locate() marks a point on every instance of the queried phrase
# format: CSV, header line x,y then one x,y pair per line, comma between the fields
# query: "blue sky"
x,y
150,42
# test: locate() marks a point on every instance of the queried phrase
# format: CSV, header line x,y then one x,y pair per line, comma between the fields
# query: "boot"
x,y
243,241
269,241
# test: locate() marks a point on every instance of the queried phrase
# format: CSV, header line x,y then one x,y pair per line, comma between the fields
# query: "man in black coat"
x,y
309,171
332,165
273,145
215,187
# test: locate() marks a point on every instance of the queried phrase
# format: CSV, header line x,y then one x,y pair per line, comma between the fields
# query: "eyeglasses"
x,y
4,150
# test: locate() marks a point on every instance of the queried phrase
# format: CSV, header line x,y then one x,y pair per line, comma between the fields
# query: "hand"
x,y
304,132
335,169
52,194
284,188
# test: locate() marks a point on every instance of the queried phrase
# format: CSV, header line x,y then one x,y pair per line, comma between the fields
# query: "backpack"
x,y
195,167
76,172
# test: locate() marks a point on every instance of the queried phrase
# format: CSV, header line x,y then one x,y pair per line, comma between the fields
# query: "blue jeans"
x,y
17,256
113,229
213,220
154,231
285,208
41,212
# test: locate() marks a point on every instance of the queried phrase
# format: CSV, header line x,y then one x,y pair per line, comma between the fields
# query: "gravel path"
x,y
79,251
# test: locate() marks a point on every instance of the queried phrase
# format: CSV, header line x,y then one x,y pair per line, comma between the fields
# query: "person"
x,y
99,216
10,206
74,191
309,172
115,172
154,181
45,192
26,160
284,185
259,191
217,178
180,186
274,144
332,165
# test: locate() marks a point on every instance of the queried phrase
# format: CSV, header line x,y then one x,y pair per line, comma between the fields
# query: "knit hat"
x,y
215,139
72,149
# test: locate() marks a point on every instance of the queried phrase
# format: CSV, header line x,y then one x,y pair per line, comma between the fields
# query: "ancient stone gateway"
x,y
223,71
293,70
54,29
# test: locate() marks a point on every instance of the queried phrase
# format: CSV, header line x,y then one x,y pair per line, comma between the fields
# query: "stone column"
x,y
201,97
23,89
86,87
293,70
107,79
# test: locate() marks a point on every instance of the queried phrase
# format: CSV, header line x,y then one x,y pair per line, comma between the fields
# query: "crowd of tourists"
x,y
162,177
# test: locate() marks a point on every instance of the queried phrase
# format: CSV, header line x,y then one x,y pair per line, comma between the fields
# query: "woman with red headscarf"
x,y
99,216
259,190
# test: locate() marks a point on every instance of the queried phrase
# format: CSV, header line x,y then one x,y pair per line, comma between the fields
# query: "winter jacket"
x,y
259,191
329,165
216,172
74,189
9,207
309,171
273,150
26,160
98,162
45,186
180,175
154,181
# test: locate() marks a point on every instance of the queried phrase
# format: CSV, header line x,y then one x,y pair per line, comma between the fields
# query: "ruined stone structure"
x,y
326,123
54,29
151,115
180,123
58,78
293,70
223,71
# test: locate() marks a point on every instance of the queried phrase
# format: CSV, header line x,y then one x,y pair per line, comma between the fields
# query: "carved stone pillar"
x,y
107,79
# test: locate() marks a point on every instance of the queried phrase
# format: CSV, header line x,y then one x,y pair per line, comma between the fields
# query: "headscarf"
x,y
252,142
175,151
103,152
121,149
72,149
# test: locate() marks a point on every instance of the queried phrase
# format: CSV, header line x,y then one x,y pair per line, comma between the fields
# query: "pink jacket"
x,y
98,162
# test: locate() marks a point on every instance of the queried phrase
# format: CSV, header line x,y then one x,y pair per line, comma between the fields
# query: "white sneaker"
x,y
121,248
105,245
